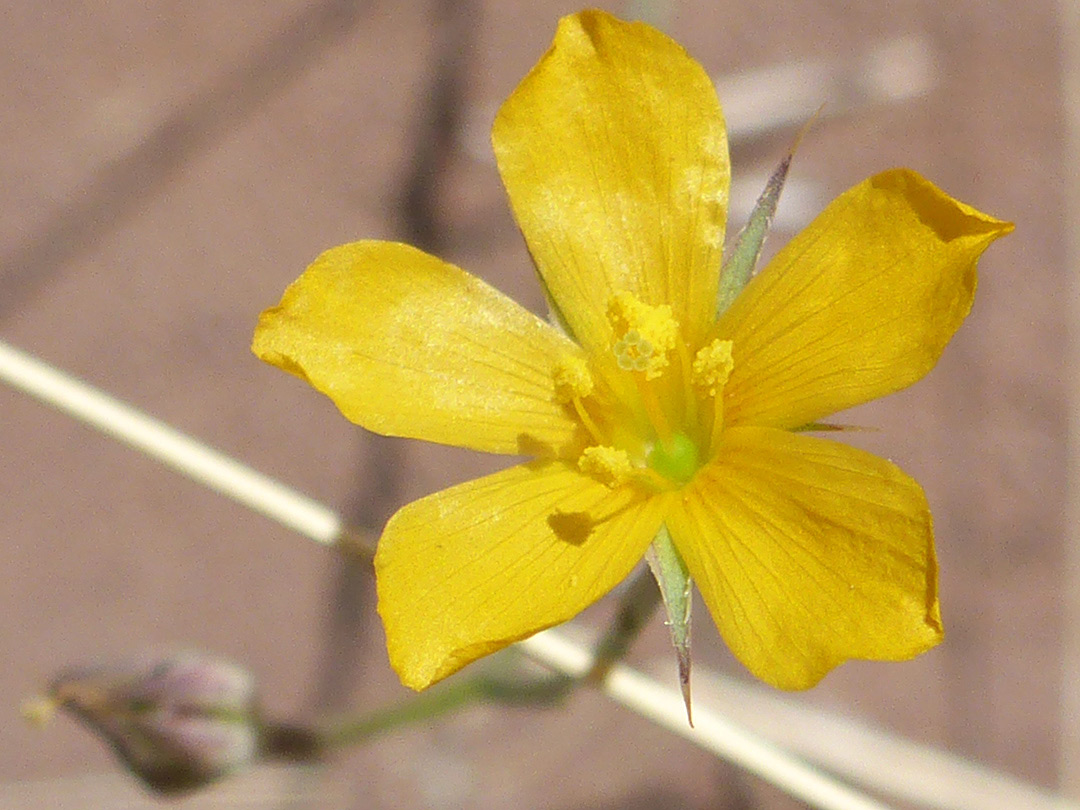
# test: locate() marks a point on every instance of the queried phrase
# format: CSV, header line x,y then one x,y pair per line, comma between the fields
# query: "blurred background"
x,y
168,167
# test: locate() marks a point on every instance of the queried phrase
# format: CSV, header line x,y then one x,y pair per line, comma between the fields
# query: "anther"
x,y
644,334
572,379
713,365
609,465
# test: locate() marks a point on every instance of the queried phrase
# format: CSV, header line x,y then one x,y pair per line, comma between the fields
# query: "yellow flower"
x,y
646,409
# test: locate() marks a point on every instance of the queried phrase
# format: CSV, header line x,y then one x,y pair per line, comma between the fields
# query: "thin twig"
x,y
211,468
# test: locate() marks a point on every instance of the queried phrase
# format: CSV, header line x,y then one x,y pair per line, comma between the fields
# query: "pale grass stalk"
x,y
207,466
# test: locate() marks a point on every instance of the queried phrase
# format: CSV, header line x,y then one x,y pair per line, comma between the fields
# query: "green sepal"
x,y
676,590
740,265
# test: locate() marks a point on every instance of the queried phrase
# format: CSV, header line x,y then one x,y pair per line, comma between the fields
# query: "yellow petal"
x,y
465,572
614,154
858,305
808,553
408,345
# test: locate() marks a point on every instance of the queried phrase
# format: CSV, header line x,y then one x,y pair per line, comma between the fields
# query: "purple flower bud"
x,y
178,721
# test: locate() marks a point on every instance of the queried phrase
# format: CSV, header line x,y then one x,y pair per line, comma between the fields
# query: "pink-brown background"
x,y
168,167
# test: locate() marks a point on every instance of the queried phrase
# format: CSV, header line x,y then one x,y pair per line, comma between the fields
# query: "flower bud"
x,y
178,721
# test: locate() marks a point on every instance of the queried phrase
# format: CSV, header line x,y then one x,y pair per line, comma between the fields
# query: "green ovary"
x,y
677,459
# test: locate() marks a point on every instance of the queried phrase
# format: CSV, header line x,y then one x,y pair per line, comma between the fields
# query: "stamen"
x,y
587,421
613,467
712,368
573,383
572,378
644,334
713,365
609,465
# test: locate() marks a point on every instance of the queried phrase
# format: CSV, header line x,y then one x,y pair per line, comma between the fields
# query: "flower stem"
x,y
501,684
427,705
507,688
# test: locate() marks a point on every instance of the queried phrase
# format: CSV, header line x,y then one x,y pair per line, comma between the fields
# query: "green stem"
x,y
450,696
497,684
428,705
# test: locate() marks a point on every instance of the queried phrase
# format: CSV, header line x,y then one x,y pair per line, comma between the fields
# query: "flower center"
x,y
656,413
